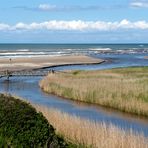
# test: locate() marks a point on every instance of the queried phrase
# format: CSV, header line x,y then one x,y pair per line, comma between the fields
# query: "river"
x,y
27,87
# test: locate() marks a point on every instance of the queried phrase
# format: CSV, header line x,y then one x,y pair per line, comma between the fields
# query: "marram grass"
x,y
125,89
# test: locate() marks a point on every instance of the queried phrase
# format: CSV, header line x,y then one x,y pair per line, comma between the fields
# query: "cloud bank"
x,y
76,25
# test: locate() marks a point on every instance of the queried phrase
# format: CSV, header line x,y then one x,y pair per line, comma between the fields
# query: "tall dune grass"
x,y
125,89
91,134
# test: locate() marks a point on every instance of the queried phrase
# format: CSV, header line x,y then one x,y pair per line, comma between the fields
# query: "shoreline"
x,y
72,64
46,62
97,105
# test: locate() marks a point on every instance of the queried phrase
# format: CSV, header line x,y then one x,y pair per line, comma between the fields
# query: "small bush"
x,y
76,72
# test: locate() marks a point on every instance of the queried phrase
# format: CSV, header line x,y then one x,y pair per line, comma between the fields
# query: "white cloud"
x,y
21,26
139,4
4,26
77,25
47,7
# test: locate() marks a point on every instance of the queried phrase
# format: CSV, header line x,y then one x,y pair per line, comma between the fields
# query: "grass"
x,y
22,126
3,142
91,134
125,89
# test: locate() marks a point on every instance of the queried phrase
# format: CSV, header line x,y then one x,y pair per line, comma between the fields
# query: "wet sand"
x,y
39,62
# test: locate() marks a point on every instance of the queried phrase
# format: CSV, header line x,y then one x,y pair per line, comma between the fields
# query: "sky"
x,y
74,21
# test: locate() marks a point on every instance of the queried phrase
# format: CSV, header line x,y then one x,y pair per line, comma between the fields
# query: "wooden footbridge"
x,y
22,73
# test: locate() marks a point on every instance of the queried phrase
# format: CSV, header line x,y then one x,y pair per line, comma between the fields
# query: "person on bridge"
x,y
52,71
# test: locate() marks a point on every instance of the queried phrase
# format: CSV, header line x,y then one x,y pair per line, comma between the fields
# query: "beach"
x,y
44,61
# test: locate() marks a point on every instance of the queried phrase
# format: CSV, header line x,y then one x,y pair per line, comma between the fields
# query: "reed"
x,y
90,134
125,89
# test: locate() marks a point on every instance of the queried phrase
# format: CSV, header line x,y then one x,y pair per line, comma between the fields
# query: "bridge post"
x,y
7,78
7,75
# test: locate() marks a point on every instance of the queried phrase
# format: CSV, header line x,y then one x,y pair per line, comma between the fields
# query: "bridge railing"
x,y
8,73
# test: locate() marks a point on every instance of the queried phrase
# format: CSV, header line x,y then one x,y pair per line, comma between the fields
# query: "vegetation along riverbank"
x,y
125,89
91,134
22,126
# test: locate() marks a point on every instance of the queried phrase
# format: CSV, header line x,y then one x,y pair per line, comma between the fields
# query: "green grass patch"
x,y
22,126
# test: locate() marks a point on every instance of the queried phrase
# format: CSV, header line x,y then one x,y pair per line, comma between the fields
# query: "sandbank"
x,y
45,61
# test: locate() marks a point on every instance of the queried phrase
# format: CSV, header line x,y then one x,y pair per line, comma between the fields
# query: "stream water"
x,y
27,87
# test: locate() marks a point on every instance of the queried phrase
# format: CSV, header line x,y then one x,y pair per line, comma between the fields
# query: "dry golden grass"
x,y
125,89
91,134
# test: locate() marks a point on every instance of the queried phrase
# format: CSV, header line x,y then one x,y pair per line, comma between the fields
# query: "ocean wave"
x,y
101,49
119,51
69,49
24,50
22,53
30,56
141,45
133,50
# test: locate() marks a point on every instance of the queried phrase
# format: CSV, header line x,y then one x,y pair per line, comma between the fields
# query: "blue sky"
x,y
75,21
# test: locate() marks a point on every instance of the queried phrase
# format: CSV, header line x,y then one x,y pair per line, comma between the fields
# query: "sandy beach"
x,y
44,61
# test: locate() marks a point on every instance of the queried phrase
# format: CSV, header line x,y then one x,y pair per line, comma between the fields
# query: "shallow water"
x,y
113,61
27,87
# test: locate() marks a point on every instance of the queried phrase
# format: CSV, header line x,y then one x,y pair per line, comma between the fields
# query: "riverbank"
x,y
91,134
124,89
45,61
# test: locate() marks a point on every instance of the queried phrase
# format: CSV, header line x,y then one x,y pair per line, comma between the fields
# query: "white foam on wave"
x,y
23,50
101,49
31,56
69,49
22,53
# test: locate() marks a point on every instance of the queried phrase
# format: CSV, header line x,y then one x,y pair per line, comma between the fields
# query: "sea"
x,y
38,50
